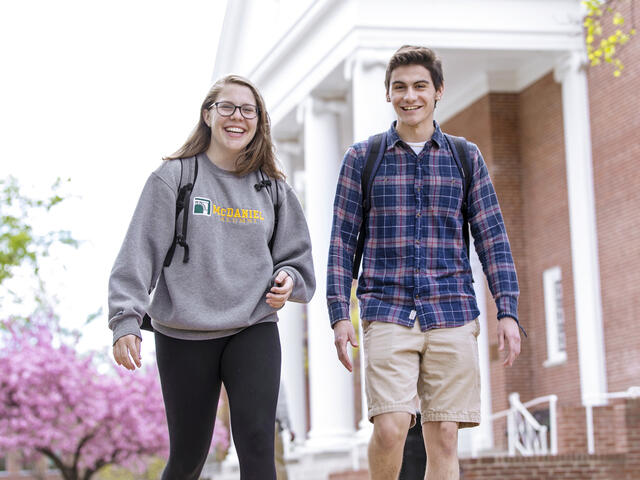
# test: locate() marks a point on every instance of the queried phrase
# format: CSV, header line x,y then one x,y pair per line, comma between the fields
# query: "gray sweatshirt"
x,y
222,288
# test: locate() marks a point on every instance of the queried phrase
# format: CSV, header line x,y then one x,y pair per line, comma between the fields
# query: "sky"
x,y
97,92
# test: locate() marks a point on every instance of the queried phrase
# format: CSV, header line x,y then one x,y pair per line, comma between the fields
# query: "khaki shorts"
x,y
440,366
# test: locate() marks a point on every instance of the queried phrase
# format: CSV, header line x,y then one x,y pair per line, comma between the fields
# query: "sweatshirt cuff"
x,y
338,311
126,326
292,273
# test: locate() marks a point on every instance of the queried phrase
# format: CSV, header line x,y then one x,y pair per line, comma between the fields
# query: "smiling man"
x,y
417,303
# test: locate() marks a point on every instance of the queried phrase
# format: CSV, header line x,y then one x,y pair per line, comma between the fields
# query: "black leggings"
x,y
191,372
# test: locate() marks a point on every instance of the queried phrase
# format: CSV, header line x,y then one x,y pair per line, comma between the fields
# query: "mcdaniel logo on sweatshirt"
x,y
203,206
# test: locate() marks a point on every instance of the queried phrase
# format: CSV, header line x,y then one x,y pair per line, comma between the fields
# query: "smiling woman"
x,y
215,313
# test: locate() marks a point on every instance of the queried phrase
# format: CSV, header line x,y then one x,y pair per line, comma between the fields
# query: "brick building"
x,y
558,138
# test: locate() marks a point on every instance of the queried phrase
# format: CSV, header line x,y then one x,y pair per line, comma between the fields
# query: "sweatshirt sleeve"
x,y
139,263
291,250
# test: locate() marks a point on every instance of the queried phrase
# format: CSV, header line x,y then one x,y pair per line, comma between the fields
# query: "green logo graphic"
x,y
201,206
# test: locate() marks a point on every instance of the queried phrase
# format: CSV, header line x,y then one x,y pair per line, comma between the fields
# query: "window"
x,y
554,313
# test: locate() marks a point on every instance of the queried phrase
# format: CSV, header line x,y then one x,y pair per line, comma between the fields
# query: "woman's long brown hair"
x,y
258,154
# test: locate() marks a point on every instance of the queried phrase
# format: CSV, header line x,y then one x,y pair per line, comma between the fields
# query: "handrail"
x,y
529,426
514,399
589,400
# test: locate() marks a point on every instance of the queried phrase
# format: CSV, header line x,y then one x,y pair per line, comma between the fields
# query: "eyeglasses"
x,y
226,109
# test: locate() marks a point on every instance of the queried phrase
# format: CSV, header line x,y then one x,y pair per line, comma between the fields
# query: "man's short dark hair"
x,y
412,55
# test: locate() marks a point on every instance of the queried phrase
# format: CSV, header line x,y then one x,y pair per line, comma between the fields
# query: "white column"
x,y
371,114
330,385
291,326
482,436
582,219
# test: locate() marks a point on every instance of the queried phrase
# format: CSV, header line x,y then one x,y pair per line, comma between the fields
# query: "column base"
x,y
338,441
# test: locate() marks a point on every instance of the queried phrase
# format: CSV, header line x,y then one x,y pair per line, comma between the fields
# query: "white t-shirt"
x,y
416,146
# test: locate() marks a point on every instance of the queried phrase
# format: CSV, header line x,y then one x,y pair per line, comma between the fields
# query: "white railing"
x,y
525,434
590,400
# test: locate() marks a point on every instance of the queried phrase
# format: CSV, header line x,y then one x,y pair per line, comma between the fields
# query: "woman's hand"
x,y
126,349
281,290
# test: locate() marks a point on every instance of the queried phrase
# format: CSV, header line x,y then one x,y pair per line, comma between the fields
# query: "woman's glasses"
x,y
226,109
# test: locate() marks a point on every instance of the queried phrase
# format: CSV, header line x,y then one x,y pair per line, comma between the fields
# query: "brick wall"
x,y
615,123
521,138
547,233
574,467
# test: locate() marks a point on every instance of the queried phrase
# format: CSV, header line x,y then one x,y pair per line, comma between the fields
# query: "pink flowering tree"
x,y
58,403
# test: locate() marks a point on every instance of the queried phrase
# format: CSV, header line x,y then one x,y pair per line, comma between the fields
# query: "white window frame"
x,y
550,278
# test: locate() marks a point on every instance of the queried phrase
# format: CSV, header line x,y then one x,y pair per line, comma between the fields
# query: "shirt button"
x,y
418,214
417,270
416,296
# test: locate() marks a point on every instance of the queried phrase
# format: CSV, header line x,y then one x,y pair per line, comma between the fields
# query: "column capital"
x,y
365,59
574,61
337,106
319,106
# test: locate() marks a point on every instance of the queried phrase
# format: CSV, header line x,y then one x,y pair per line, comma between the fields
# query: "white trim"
x,y
559,359
555,354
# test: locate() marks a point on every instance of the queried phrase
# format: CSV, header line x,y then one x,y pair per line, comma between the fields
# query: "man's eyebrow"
x,y
401,82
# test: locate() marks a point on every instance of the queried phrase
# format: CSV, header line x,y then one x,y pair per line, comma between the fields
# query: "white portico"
x,y
320,65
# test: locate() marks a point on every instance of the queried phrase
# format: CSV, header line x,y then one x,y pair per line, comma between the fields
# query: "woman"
x,y
215,315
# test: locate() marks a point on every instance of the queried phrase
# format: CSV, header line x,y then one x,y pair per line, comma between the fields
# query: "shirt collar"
x,y
393,137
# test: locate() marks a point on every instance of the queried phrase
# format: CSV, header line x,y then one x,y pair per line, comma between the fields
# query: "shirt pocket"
x,y
443,195
386,190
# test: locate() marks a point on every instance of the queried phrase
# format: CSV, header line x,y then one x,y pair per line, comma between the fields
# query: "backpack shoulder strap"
x,y
183,200
266,182
459,148
376,147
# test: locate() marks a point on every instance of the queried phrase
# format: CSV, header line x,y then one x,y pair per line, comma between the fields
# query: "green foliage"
x,y
600,46
153,470
19,243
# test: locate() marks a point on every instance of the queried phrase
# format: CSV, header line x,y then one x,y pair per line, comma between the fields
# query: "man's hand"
x,y
126,349
281,290
508,330
344,332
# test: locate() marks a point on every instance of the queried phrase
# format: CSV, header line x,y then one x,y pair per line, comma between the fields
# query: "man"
x,y
418,306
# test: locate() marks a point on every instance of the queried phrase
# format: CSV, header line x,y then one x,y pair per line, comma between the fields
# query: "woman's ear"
x,y
206,116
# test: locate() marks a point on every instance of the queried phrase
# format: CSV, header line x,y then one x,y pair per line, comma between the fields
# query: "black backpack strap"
x,y
459,149
183,200
265,182
373,158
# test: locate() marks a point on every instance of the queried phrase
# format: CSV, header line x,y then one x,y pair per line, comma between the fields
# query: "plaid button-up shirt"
x,y
415,264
